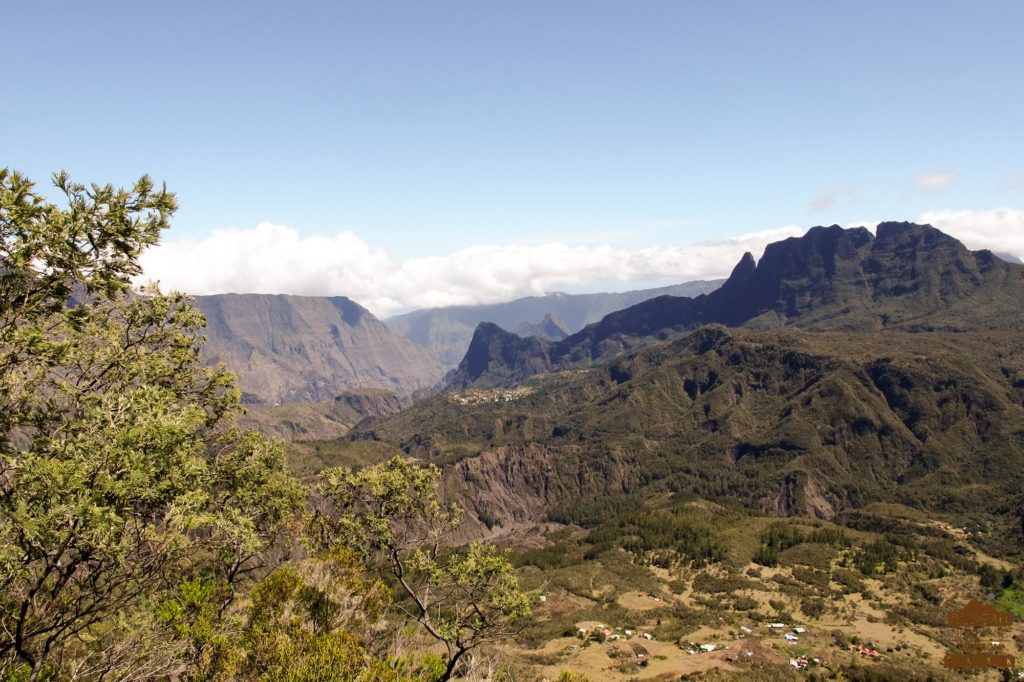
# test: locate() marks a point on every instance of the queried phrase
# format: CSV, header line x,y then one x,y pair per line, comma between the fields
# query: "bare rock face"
x,y
512,488
288,349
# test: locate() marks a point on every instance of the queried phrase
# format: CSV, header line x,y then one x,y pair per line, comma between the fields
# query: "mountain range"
x,y
906,276
447,331
843,368
310,349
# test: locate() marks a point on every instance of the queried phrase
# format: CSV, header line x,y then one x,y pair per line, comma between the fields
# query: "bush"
x,y
568,676
813,607
811,577
850,581
715,585
811,554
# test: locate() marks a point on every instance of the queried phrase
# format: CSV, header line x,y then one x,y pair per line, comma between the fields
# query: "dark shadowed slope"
x,y
304,348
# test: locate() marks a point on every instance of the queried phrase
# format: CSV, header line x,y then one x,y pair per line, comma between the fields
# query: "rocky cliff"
x,y
288,349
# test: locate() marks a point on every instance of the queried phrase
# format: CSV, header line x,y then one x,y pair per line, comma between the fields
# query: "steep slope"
x,y
447,331
305,349
906,276
783,422
497,357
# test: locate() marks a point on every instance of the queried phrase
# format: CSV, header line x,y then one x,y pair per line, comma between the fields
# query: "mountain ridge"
x,y
447,331
905,276
288,349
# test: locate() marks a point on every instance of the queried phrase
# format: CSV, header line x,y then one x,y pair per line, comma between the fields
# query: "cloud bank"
x,y
276,259
1000,229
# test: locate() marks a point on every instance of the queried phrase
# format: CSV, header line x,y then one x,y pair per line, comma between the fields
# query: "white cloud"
x,y
935,181
277,259
827,197
1000,229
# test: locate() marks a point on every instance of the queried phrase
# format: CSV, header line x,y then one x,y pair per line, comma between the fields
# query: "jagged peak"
x,y
822,230
745,267
489,329
901,229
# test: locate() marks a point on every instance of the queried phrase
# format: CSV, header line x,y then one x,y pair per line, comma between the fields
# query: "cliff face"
x,y
448,331
906,276
288,349
499,358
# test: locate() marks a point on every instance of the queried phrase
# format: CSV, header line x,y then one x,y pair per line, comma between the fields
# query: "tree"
x,y
119,476
391,514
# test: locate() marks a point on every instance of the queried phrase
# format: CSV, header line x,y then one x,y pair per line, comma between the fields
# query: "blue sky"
x,y
427,127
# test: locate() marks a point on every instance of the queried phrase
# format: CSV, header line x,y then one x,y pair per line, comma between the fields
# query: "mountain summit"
x,y
551,328
906,276
288,349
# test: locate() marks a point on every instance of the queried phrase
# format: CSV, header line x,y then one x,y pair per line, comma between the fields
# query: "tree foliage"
x,y
119,476
392,514
142,535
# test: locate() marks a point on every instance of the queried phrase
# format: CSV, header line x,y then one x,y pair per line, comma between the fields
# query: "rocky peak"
x,y
551,328
500,357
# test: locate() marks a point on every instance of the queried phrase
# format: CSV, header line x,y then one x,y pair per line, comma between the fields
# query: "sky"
x,y
410,154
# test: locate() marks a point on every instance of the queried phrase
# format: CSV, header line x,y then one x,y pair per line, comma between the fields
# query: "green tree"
x,y
119,478
392,515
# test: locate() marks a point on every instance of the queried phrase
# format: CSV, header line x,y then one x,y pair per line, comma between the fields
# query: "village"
x,y
476,396
640,643
602,633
